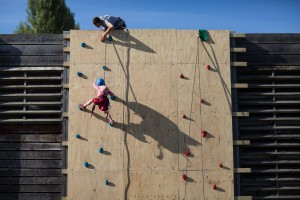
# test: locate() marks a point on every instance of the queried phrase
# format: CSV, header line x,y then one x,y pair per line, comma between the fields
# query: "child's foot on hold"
x,y
81,107
111,122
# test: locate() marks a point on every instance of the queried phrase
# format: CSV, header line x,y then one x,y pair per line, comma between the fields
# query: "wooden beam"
x,y
243,198
66,49
238,50
242,170
239,85
66,36
8,69
237,35
241,142
29,86
64,143
66,64
64,171
28,120
66,86
30,112
65,114
239,64
240,114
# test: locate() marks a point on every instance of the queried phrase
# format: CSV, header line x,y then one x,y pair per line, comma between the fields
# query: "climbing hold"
x,y
202,100
110,38
86,164
101,150
208,67
111,122
106,182
184,177
214,187
203,133
220,165
112,97
184,116
79,74
181,76
82,44
186,153
104,67
77,136
203,34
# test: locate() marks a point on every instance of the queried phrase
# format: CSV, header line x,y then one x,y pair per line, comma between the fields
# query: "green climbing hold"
x,y
203,34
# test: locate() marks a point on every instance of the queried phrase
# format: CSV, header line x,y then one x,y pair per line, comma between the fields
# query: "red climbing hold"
x,y
214,187
186,153
220,165
181,76
202,101
184,177
183,116
203,133
208,67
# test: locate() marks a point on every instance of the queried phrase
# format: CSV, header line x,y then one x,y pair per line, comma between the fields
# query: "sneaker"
x,y
81,107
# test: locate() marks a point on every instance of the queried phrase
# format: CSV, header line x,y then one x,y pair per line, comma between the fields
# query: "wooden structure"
x,y
143,152
232,102
267,89
31,78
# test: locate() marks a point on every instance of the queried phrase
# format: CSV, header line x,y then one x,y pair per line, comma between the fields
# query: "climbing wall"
x,y
169,102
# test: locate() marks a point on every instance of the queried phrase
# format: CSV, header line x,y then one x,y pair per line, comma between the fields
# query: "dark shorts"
x,y
120,24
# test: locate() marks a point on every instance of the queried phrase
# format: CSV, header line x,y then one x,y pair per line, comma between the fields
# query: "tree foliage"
x,y
47,16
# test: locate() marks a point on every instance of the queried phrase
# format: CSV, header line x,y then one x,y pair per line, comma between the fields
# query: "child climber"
x,y
101,100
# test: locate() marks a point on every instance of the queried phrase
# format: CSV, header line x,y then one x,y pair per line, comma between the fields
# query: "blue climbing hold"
x,y
77,136
101,150
82,44
106,182
112,97
79,74
110,38
203,34
86,164
100,82
104,67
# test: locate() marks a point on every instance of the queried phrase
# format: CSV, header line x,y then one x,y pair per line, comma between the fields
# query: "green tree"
x,y
47,16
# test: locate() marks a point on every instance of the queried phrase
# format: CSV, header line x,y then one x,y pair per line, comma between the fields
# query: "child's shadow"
x,y
152,124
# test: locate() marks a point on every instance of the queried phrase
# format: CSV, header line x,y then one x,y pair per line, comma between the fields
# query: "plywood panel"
x,y
192,188
138,50
154,185
188,104
224,185
152,117
94,130
91,185
187,46
216,117
96,51
145,147
164,43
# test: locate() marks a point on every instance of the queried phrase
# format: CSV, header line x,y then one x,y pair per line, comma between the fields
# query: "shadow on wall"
x,y
129,41
152,124
10,56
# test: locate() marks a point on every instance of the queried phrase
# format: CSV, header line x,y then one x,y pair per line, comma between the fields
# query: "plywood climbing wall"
x,y
143,152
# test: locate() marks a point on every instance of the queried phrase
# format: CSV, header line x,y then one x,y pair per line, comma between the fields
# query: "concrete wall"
x,y
143,152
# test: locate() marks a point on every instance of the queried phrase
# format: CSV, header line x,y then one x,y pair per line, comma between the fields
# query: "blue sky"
x,y
244,16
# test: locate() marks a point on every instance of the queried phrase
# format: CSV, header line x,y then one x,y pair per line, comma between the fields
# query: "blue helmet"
x,y
100,82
